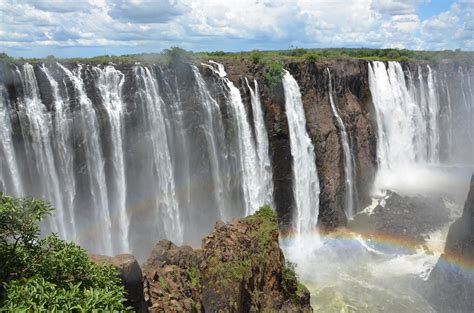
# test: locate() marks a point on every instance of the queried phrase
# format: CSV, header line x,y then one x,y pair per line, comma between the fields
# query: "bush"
x,y
312,57
48,274
256,56
273,73
393,54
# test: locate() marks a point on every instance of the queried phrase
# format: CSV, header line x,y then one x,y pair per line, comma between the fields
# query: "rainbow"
x,y
386,242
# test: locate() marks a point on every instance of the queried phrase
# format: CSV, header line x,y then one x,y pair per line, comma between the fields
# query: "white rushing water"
x,y
110,82
346,150
41,148
167,211
251,167
214,136
305,175
89,125
261,139
9,172
410,124
402,135
64,158
117,165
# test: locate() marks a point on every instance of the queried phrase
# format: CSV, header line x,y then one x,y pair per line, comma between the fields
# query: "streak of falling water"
x,y
38,122
214,131
261,138
167,204
110,82
305,176
433,152
248,155
95,163
348,159
10,181
64,155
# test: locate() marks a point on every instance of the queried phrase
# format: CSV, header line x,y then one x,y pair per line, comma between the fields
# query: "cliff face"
x,y
450,286
176,121
240,268
352,98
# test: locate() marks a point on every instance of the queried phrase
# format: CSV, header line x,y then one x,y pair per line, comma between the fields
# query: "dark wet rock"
x,y
130,274
450,287
409,218
240,268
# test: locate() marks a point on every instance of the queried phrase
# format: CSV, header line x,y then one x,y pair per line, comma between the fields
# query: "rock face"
x,y
240,268
451,283
352,97
131,275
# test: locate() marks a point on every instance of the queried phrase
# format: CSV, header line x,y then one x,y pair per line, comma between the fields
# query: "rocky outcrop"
x,y
130,274
240,268
451,283
410,218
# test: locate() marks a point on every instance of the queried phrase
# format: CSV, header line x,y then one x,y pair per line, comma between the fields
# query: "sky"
x,y
84,28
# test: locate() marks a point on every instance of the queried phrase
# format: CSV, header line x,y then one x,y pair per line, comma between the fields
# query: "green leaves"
x,y
273,72
37,294
49,274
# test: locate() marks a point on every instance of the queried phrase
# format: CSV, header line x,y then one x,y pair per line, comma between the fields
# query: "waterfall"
x,y
419,120
261,139
125,159
64,156
166,205
251,183
433,155
40,150
94,163
305,176
110,82
9,172
214,131
346,150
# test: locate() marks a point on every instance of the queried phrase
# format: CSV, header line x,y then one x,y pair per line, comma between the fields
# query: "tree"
x,y
48,274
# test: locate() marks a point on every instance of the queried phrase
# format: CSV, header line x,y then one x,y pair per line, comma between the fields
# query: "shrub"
x,y
312,57
273,72
256,56
48,274
393,54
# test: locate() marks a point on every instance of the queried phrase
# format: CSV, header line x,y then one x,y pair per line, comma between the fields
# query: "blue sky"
x,y
67,28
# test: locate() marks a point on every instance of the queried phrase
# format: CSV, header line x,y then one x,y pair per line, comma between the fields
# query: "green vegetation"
x,y
273,72
48,274
265,58
194,277
266,221
290,282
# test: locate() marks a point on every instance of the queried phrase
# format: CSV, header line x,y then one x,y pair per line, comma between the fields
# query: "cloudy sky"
x,y
69,28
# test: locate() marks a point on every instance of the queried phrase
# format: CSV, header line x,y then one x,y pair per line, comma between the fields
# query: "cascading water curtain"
x,y
423,118
305,176
124,158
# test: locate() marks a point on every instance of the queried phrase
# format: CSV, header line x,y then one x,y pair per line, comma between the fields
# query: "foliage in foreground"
x,y
48,274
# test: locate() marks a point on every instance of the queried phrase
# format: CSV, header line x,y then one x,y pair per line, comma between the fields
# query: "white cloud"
x,y
146,11
451,29
228,25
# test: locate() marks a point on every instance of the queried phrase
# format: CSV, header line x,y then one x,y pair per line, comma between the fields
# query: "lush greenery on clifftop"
x,y
48,274
169,55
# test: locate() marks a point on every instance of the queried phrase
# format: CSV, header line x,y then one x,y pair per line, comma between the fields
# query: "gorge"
x,y
130,154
